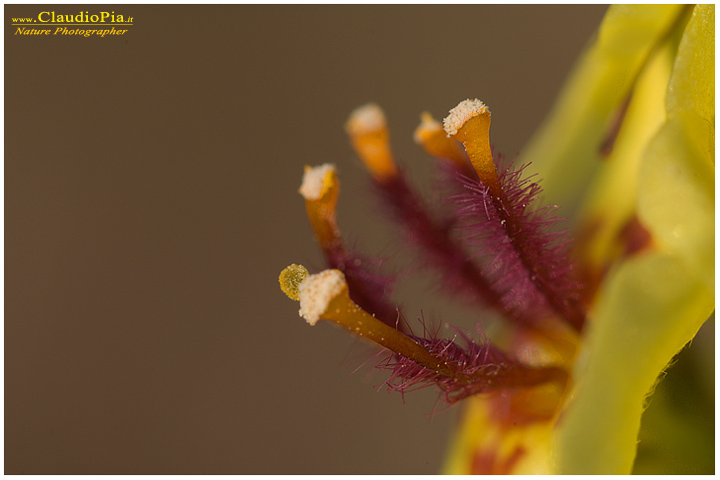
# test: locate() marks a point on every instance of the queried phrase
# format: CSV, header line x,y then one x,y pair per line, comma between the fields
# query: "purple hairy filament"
x,y
443,252
417,361
466,371
532,264
368,289
512,236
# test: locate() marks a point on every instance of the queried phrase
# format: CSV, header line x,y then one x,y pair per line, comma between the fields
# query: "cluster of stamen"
x,y
353,294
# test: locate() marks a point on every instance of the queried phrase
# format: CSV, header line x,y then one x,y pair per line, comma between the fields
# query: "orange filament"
x,y
431,136
325,295
370,138
321,189
343,311
469,123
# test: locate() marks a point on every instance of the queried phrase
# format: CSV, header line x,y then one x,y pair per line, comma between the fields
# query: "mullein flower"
x,y
589,324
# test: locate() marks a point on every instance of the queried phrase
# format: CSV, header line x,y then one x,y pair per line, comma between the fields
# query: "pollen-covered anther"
x,y
431,136
370,138
317,181
462,113
317,291
428,128
325,295
469,123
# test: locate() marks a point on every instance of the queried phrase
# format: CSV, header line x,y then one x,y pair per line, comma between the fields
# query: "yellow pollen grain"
x,y
290,279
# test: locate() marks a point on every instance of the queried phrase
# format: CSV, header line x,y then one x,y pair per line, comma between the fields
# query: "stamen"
x,y
321,188
431,136
469,123
325,295
370,138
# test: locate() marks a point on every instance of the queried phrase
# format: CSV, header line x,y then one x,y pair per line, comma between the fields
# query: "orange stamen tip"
x,y
431,136
366,120
317,291
469,123
321,188
428,128
369,135
461,114
317,181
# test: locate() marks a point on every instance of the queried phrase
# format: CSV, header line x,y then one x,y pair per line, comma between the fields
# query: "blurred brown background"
x,y
151,201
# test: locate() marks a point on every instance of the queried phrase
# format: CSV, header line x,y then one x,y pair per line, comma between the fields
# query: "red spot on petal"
x,y
608,142
489,462
634,237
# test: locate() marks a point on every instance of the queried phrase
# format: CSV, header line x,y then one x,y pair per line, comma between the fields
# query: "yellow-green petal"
x,y
692,87
653,304
648,312
566,150
611,199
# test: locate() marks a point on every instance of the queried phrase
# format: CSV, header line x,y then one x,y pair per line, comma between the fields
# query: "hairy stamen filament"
x,y
469,123
442,251
325,295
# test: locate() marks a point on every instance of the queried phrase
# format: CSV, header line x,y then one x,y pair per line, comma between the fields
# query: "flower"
x,y
590,324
